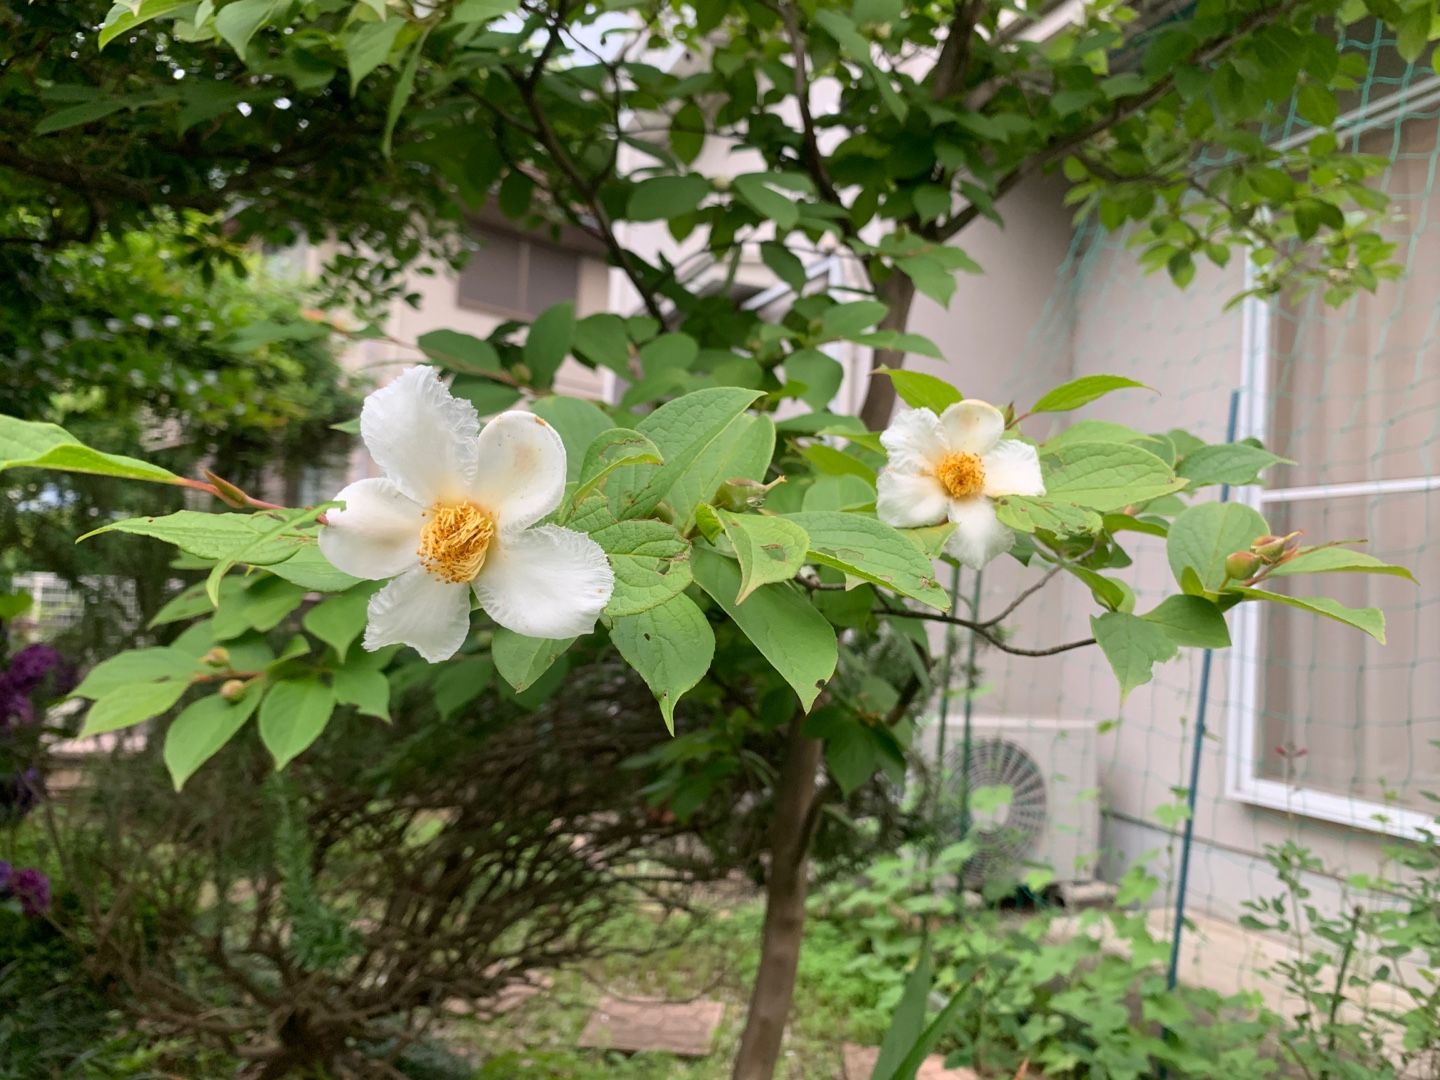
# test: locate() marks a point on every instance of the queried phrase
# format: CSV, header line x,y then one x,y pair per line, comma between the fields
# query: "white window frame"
x,y
1243,779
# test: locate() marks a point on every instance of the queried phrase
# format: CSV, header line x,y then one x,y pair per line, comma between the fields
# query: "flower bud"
x,y
219,656
1273,548
227,492
1242,565
232,689
743,494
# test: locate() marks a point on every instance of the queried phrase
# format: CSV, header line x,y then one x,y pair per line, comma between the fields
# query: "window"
x,y
1324,721
519,276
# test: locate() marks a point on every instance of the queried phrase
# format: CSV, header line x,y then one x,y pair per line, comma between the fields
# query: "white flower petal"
x,y
520,475
914,441
419,610
421,437
1013,468
377,533
978,535
546,582
907,500
972,427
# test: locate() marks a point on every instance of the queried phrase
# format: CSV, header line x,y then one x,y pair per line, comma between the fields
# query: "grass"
x,y
712,956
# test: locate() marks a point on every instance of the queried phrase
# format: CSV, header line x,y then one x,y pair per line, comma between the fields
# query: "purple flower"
x,y
16,709
20,793
30,665
32,889
29,886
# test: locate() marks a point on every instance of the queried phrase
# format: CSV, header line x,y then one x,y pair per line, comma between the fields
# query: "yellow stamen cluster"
x,y
962,475
454,541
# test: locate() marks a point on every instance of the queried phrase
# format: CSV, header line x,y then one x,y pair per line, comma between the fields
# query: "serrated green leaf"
x,y
548,342
363,687
610,450
651,561
461,682
1226,463
213,536
1107,476
309,569
1370,620
202,729
451,349
867,548
768,548
292,716
1025,513
796,639
122,18
671,646
579,423
1082,391
367,46
522,660
848,320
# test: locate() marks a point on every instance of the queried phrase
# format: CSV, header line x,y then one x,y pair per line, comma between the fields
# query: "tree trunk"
x,y
898,293
774,989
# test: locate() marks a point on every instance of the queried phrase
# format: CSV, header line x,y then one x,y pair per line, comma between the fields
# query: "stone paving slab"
x,y
860,1063
686,1029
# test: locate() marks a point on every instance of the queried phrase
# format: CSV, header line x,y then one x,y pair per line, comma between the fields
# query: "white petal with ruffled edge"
x,y
376,534
972,427
914,441
978,535
1012,468
546,582
520,470
908,500
419,610
421,437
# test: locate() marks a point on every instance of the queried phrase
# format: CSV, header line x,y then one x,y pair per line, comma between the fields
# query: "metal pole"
x,y
1182,884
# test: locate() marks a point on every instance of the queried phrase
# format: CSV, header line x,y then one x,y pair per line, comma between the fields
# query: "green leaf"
x,y
769,204
125,706
687,132
548,342
26,444
1107,476
848,320
784,265
897,341
579,423
267,601
921,391
453,350
782,624
1133,647
213,536
1371,620
670,645
238,20
1338,560
1202,536
404,87
865,547
768,548
311,570
1025,513
610,450
821,376
668,352
339,620
931,277
124,17
137,666
473,11
1082,391
461,682
367,46
842,28
688,433
286,523
522,660
202,729
363,687
601,339
908,1022
75,115
292,716
1226,463
651,561
1190,621
662,197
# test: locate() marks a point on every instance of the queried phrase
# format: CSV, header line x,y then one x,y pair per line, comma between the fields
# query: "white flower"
x,y
949,467
456,511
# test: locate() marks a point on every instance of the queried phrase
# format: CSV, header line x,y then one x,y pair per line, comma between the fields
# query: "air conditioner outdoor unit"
x,y
1052,816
